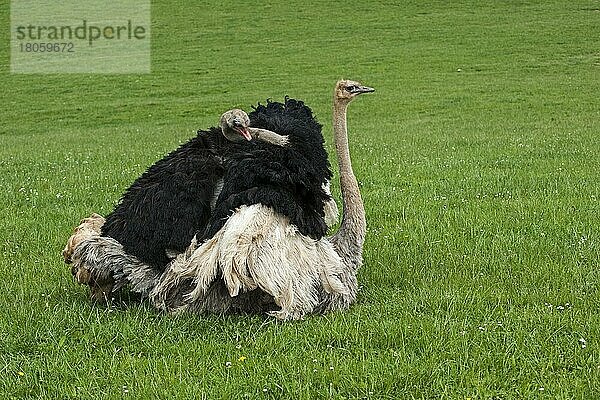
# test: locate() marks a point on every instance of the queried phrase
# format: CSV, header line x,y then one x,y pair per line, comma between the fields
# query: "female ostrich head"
x,y
234,124
346,90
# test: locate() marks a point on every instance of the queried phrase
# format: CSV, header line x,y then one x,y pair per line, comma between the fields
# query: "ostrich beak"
x,y
242,130
365,89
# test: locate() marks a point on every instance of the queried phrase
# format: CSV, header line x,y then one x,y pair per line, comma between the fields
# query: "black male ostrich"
x,y
193,190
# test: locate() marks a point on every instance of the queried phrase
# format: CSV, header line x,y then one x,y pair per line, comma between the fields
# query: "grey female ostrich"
x,y
257,261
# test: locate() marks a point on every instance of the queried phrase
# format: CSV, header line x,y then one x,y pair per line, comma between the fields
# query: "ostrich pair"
x,y
256,217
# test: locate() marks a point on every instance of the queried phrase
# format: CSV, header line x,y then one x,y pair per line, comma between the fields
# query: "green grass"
x,y
479,164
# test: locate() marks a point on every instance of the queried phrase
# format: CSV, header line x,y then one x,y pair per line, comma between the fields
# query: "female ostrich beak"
x,y
363,89
347,90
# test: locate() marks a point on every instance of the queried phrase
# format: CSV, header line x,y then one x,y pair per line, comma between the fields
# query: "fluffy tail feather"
x,y
110,268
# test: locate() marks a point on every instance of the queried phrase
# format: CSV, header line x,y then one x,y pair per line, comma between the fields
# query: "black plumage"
x,y
170,202
289,179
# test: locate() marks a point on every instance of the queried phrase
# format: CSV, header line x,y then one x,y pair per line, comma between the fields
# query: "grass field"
x,y
479,164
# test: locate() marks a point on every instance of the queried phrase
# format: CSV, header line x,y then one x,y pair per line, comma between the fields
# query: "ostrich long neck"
x,y
351,235
268,136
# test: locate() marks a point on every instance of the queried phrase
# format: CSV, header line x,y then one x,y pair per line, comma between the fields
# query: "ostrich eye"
x,y
350,88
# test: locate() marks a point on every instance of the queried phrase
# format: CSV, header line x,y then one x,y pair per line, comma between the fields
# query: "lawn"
x,y
479,164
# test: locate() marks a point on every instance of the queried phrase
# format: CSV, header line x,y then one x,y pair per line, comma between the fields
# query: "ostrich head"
x,y
234,124
346,90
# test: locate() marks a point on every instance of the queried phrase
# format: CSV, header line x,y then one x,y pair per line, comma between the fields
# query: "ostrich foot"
x,y
100,290
81,275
